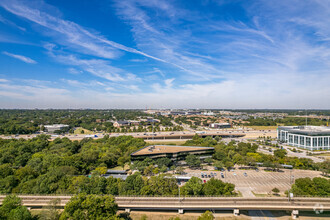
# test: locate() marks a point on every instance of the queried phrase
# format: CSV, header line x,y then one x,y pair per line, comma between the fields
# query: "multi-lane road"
x,y
225,133
195,203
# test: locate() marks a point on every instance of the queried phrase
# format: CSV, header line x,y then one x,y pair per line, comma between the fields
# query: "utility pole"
x,y
153,131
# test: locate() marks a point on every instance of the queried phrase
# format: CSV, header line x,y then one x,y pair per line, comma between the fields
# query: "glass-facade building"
x,y
307,137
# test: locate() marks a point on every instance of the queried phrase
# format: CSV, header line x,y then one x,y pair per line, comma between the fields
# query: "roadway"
x,y
195,203
145,135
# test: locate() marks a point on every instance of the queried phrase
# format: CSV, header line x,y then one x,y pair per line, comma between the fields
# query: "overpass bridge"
x,y
197,203
187,136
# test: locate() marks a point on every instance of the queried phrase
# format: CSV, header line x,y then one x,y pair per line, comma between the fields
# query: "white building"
x,y
307,137
220,125
208,113
55,127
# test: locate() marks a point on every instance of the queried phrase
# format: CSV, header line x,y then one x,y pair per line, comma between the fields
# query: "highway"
x,y
195,203
145,135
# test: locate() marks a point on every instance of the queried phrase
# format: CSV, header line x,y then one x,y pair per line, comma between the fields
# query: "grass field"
x,y
79,129
263,127
136,215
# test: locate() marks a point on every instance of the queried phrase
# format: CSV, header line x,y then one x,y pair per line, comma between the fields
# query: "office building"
x,y
307,137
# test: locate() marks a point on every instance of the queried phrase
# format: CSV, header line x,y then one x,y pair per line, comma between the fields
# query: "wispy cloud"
x,y
8,22
72,34
266,56
3,80
20,57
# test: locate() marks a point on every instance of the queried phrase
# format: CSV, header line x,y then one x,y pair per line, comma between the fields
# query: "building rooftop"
x,y
308,130
56,126
158,149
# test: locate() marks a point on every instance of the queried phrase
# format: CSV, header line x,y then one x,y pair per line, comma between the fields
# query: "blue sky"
x,y
164,54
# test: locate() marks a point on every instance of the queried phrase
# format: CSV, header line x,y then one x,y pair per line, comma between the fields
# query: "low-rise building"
x,y
122,174
119,124
220,125
307,137
175,153
55,127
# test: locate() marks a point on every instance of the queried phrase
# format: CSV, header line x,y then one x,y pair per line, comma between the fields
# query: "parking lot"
x,y
261,182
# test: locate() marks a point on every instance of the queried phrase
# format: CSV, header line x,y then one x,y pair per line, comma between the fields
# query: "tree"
x,y
179,170
229,164
218,164
12,209
317,186
84,206
51,211
194,186
275,191
215,187
176,218
206,216
193,161
208,161
280,153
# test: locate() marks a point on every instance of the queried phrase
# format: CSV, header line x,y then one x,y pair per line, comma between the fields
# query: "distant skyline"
x,y
205,54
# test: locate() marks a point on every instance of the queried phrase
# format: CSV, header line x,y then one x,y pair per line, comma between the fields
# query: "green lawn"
x,y
79,129
263,127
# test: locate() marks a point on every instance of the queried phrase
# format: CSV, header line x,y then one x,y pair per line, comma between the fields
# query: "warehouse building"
x,y
175,153
55,127
220,125
307,137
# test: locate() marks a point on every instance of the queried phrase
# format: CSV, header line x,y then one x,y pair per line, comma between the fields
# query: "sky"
x,y
165,54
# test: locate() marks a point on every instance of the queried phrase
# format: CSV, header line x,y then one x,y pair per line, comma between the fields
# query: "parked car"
x,y
245,174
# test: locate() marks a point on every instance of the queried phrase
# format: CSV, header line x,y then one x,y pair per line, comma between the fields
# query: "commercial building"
x,y
307,137
55,127
119,124
175,153
220,125
122,174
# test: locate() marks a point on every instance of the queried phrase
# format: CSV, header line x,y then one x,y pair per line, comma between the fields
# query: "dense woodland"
x,y
311,187
30,121
288,121
39,166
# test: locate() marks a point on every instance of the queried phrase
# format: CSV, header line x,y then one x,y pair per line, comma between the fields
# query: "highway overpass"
x,y
187,136
197,203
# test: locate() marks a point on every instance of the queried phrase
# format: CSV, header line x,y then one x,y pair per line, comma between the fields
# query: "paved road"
x,y
261,182
195,203
261,215
301,155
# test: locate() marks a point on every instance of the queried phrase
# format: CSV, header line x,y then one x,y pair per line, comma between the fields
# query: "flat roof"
x,y
158,149
307,130
56,126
